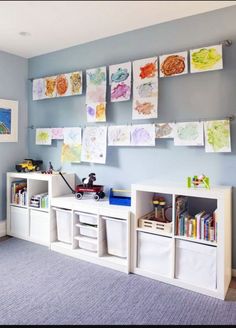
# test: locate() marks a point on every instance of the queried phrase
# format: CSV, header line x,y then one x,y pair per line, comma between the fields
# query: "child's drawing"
x,y
71,153
72,136
76,83
43,136
57,133
143,135
189,134
50,86
145,69
94,145
144,108
119,135
96,112
217,136
173,64
120,81
206,59
62,85
38,89
96,85
165,130
5,121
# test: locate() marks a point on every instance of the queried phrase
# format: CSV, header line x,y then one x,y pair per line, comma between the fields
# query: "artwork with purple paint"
x,y
120,81
120,92
57,133
38,89
143,135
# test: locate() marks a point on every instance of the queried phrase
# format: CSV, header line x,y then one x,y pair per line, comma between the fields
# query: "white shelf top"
x,y
34,175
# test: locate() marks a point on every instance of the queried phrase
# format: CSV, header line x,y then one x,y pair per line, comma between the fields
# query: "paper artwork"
x,y
96,112
206,59
94,145
189,134
8,120
143,135
57,133
119,135
217,136
38,89
173,64
71,148
165,130
120,81
43,136
145,89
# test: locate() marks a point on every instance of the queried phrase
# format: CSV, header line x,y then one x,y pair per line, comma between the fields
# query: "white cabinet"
x,y
24,220
193,251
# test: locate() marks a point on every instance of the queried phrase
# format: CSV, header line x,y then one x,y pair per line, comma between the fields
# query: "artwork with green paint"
x,y
43,136
217,136
206,59
189,134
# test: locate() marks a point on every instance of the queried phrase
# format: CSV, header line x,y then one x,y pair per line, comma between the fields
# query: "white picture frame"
x,y
8,120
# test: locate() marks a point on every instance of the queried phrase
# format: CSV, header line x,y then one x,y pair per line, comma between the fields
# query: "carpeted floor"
x,y
42,287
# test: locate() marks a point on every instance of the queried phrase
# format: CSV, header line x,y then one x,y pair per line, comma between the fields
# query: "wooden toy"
x,y
198,181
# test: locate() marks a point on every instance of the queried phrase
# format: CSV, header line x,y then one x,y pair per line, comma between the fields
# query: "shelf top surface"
x,y
34,175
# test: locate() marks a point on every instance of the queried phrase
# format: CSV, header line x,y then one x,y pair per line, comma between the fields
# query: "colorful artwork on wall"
x,y
57,133
165,130
96,112
217,136
71,148
43,136
120,82
145,89
143,135
173,64
206,59
189,134
119,135
94,145
8,120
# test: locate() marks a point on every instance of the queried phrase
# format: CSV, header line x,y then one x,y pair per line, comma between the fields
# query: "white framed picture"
x,y
8,120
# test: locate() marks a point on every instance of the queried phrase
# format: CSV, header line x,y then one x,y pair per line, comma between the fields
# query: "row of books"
x,y
39,200
202,226
19,192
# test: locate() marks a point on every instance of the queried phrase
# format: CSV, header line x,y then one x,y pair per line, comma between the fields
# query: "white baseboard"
x,y
3,228
233,272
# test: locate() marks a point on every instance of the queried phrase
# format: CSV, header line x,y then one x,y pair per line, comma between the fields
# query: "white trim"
x,y
3,228
233,272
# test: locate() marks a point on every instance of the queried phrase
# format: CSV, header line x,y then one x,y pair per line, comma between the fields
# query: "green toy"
x,y
198,180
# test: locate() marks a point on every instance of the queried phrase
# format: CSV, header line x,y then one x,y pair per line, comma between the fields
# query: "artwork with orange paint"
x,y
96,112
50,86
76,83
61,85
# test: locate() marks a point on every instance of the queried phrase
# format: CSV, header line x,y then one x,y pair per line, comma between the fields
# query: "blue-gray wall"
x,y
13,86
208,95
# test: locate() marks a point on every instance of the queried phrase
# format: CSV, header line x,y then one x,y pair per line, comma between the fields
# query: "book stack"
x,y
19,192
39,200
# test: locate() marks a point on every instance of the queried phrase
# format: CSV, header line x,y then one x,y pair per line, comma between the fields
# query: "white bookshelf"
x,y
196,264
28,222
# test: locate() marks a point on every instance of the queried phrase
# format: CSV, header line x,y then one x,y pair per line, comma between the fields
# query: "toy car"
x,y
28,165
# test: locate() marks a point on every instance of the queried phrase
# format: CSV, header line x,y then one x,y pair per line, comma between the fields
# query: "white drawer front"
x,y
19,224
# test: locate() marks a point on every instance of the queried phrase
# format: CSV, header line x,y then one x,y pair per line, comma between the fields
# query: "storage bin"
x,y
87,245
88,231
116,231
64,225
87,218
196,264
19,221
154,253
39,226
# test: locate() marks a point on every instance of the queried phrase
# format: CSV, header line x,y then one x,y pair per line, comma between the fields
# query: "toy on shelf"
x,y
50,169
200,180
119,197
160,209
29,165
87,187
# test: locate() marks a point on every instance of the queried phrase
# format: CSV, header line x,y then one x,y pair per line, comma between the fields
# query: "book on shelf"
x,y
39,200
19,192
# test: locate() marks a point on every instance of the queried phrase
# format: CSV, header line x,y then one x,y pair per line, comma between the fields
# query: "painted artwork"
x,y
143,135
206,59
38,89
62,85
217,136
189,134
165,130
72,136
120,81
94,145
96,112
43,136
173,64
145,89
50,87
8,120
76,83
71,153
119,135
57,133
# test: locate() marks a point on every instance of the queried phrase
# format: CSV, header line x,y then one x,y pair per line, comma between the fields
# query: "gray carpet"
x,y
39,287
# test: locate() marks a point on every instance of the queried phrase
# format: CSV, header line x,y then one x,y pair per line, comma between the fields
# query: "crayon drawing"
x,y
173,64
57,133
38,89
119,135
143,135
71,153
43,136
8,120
94,145
189,134
72,136
217,136
120,81
206,59
165,130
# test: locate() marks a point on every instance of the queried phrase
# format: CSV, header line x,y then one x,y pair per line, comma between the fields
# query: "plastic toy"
x,y
28,165
198,181
87,187
160,209
50,169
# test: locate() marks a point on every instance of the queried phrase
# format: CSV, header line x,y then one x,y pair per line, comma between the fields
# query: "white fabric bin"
x,y
64,225
154,253
116,231
196,264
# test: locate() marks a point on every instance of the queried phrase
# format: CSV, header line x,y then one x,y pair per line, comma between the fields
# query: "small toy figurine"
x,y
198,180
50,169
88,182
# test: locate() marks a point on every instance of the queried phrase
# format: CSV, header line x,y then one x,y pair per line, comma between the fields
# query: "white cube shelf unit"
x,y
196,264
93,239
25,221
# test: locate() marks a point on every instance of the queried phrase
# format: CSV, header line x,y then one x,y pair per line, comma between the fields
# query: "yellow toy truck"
x,y
28,165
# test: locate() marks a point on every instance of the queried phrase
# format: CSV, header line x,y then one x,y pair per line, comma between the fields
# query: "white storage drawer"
x,y
89,246
64,225
87,218
86,230
196,264
154,253
19,221
39,226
